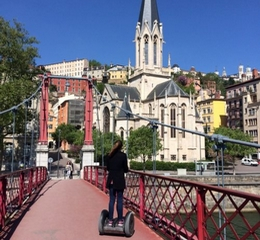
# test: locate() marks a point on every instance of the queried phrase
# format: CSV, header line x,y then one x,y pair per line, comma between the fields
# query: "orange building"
x,y
70,110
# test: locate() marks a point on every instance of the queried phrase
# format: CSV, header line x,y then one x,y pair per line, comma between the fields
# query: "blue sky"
x,y
206,34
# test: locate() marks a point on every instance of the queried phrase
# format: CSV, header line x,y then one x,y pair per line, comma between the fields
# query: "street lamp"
x,y
58,170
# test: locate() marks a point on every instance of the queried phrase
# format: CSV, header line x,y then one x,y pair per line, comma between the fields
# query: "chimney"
x,y
255,73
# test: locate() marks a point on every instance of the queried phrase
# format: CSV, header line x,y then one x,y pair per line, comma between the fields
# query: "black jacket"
x,y
117,167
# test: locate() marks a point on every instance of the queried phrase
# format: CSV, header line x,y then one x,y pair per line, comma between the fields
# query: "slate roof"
x,y
149,12
121,91
126,106
173,90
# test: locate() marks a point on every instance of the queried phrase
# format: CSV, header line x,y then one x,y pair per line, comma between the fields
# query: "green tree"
x,y
65,133
17,72
220,83
140,143
103,143
232,150
94,63
100,87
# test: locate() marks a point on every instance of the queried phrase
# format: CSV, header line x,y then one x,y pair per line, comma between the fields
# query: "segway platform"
x,y
127,229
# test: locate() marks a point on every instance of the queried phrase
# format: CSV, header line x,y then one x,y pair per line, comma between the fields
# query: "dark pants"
x,y
115,195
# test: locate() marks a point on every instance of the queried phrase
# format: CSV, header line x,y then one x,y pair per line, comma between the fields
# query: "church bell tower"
x,y
149,37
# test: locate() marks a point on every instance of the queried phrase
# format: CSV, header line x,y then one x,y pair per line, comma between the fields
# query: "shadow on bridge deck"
x,y
65,209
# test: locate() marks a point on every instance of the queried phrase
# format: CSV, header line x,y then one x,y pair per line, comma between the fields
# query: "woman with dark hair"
x,y
117,167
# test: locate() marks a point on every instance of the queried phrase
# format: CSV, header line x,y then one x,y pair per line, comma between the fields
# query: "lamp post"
x,y
58,167
154,128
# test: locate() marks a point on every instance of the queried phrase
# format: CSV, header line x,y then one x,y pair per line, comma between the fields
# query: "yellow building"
x,y
212,111
118,74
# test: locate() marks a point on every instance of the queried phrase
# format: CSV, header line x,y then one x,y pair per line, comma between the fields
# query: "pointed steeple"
x,y
125,106
149,37
149,12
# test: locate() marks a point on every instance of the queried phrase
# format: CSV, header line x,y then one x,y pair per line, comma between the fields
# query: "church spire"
x,y
149,37
149,13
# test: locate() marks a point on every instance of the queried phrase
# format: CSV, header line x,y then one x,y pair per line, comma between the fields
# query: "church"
x,y
153,95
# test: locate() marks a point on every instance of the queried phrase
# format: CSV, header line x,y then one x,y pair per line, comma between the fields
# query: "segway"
x,y
127,229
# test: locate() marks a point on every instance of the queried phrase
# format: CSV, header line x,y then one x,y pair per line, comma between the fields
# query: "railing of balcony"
x,y
180,209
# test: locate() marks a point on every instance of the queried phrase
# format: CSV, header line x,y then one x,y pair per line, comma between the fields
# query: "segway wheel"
x,y
102,220
129,224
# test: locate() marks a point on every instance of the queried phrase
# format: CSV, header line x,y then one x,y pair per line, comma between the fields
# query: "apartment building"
x,y
117,74
71,85
243,100
212,110
73,68
96,73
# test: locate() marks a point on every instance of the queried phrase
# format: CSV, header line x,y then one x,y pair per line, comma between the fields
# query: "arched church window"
x,y
122,134
106,117
173,119
183,118
146,49
155,45
162,120
150,110
139,46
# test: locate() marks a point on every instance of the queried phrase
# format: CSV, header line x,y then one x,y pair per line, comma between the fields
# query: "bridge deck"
x,y
66,209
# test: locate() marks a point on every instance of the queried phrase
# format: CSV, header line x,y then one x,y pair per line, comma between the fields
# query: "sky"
x,y
206,34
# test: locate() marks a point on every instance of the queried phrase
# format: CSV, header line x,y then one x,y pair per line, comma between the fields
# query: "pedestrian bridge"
x,y
33,206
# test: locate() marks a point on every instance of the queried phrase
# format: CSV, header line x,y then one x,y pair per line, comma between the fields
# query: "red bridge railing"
x,y
16,187
179,209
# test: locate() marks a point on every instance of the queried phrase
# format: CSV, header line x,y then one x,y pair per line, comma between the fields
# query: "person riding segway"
x,y
117,167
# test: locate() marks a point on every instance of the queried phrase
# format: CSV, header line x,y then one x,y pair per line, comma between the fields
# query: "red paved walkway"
x,y
68,209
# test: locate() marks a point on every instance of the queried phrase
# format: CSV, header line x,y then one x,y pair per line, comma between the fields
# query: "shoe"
x,y
110,223
120,223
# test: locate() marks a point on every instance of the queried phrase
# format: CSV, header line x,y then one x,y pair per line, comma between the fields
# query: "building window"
x,y
162,121
150,109
173,120
146,49
173,157
155,50
162,157
183,119
184,157
50,126
122,134
106,117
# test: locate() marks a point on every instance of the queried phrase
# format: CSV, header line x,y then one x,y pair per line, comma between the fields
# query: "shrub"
x,y
162,166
